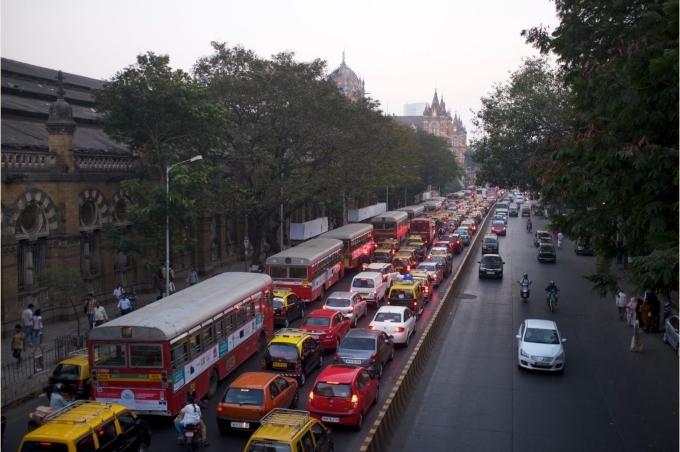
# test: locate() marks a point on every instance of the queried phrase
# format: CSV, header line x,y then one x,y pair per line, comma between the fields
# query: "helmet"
x,y
552,283
526,275
58,387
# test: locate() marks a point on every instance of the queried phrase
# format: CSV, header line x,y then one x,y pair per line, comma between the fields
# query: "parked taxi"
x,y
290,431
252,395
294,353
73,373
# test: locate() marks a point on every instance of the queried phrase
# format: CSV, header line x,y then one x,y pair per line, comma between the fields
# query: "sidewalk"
x,y
60,329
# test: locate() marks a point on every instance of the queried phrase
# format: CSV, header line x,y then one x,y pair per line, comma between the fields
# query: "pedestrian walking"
x,y
18,343
124,305
90,306
636,340
100,315
560,237
655,310
27,320
192,277
630,311
646,316
37,334
620,300
118,292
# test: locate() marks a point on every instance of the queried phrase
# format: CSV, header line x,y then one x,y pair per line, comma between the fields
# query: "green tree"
x,y
619,173
65,288
439,166
521,121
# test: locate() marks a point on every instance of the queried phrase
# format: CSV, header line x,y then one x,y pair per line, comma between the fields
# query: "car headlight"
x,y
523,353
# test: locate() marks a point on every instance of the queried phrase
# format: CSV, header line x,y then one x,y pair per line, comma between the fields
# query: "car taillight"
x,y
371,327
399,329
351,309
219,408
373,357
354,400
408,268
311,395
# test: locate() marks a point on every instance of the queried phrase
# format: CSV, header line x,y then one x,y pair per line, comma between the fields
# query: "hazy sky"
x,y
403,50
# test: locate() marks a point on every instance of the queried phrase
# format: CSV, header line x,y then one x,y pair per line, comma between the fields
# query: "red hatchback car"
x,y
498,227
342,395
328,326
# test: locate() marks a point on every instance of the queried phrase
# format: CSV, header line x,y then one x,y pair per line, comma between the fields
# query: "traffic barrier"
x,y
388,419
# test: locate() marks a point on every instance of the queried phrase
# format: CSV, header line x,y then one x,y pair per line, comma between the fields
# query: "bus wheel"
x,y
212,385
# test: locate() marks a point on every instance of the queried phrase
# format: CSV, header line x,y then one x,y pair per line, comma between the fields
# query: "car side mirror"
x,y
564,339
503,262
518,336
478,262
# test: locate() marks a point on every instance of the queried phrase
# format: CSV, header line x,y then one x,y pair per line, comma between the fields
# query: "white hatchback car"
x,y
540,346
350,304
397,321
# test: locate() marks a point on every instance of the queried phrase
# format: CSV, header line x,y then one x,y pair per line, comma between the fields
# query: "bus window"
x,y
298,272
219,329
146,355
109,355
229,323
179,354
195,342
208,336
278,271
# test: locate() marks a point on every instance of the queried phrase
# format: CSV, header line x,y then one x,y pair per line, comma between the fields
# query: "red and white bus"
x,y
308,269
413,211
424,227
150,358
433,205
357,241
391,225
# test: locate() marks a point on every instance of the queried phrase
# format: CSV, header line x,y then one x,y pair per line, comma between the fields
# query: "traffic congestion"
x,y
297,358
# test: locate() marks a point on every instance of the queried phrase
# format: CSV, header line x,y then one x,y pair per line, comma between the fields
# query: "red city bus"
x,y
424,227
357,241
308,269
150,358
391,225
413,211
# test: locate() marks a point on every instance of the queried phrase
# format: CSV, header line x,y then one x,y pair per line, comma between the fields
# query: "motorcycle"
x,y
192,436
524,291
37,417
552,301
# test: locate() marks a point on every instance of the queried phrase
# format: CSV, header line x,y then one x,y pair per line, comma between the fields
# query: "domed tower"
x,y
61,128
347,81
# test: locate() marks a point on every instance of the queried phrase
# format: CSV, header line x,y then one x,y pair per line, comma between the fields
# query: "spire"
x,y
435,100
343,56
60,90
60,119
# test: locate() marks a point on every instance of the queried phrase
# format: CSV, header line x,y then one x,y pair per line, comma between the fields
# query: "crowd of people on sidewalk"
x,y
29,333
643,314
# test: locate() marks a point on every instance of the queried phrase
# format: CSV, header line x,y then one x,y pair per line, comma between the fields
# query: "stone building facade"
x,y
61,179
437,120
347,81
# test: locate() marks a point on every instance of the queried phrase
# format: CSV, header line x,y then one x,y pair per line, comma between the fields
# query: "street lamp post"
x,y
169,168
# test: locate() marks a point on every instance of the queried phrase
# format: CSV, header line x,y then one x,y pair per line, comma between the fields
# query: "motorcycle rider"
x,y
57,401
524,282
551,289
191,414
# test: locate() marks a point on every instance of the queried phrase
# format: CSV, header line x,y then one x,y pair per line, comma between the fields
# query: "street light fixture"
x,y
169,168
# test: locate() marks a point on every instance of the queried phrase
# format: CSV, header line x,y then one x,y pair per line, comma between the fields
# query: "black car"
x,y
491,266
370,349
490,244
546,253
583,248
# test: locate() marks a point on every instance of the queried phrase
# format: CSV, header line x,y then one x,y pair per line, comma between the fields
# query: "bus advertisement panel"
x,y
357,242
308,269
391,225
148,360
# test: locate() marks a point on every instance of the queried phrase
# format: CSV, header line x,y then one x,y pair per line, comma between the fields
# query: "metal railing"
x,y
18,380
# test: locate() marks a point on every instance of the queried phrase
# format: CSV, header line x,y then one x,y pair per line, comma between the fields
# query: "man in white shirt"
x,y
27,320
118,292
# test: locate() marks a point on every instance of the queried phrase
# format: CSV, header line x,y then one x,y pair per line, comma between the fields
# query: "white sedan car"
x,y
539,346
397,321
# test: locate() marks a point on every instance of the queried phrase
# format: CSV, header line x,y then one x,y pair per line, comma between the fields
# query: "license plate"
x,y
279,365
240,424
189,434
330,419
353,361
490,272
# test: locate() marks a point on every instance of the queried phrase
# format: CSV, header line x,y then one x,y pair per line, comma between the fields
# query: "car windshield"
x,y
338,302
541,336
490,241
491,260
400,262
333,390
244,396
546,249
358,343
66,372
362,283
43,446
317,321
382,255
268,446
287,352
427,267
277,303
400,294
498,223
387,317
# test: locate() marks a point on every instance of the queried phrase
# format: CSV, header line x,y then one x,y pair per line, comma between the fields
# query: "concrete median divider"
x,y
388,419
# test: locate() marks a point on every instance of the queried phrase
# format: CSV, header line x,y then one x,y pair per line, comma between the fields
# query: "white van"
x,y
371,286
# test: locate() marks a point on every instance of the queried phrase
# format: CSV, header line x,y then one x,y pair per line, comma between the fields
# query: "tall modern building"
x,y
348,82
437,120
415,109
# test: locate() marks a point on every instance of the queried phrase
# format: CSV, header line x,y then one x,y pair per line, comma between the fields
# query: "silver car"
x,y
540,346
670,333
350,304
